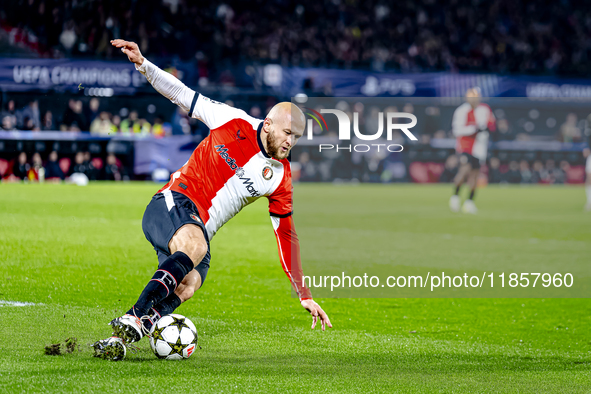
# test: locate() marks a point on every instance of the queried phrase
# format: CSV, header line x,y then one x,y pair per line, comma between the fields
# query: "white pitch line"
x,y
16,303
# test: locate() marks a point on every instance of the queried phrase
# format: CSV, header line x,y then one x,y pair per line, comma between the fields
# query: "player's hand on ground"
x,y
317,313
131,49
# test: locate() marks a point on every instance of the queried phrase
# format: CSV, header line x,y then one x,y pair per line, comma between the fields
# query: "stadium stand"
x,y
500,36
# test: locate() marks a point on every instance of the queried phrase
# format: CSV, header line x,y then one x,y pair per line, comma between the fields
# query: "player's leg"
x,y
183,293
172,224
129,328
171,219
463,172
190,248
185,290
461,176
469,206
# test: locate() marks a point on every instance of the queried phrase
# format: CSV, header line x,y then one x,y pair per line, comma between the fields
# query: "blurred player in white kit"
x,y
471,124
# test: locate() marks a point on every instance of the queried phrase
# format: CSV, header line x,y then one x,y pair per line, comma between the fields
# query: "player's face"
x,y
282,136
473,98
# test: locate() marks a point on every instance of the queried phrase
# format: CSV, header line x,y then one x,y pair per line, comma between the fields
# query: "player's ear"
x,y
267,124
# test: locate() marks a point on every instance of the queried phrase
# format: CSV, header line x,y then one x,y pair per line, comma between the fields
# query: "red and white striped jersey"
x,y
466,124
231,169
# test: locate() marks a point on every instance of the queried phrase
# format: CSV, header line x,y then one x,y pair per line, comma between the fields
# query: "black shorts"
x,y
466,158
164,215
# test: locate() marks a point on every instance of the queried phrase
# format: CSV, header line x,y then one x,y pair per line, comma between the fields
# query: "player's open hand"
x,y
131,49
317,313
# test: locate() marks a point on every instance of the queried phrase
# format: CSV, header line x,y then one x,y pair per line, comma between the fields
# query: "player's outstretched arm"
x,y
317,313
165,83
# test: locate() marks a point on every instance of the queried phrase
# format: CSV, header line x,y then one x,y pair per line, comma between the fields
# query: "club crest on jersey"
x,y
267,173
195,218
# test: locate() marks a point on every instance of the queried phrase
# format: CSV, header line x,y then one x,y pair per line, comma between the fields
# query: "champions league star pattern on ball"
x,y
173,337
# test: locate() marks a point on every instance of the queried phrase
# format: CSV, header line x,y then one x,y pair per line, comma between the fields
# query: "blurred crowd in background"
x,y
89,115
388,167
522,171
501,36
79,117
55,169
566,125
435,121
308,166
498,36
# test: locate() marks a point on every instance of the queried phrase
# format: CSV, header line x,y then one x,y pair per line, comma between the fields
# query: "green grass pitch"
x,y
79,255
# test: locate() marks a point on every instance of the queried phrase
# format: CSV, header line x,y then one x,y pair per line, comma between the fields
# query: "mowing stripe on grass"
x,y
16,303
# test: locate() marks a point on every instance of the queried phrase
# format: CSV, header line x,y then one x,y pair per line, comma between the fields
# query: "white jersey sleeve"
x,y
167,85
214,114
211,112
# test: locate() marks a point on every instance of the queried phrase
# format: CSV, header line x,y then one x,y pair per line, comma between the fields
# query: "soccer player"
x,y
470,125
242,159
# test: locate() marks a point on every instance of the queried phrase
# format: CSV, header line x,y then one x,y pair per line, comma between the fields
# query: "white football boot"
x,y
454,203
469,207
128,328
111,348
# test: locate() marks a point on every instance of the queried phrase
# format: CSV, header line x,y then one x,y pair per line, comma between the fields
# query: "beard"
x,y
274,147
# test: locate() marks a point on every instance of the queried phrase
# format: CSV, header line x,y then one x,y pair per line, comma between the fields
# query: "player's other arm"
x,y
289,254
280,208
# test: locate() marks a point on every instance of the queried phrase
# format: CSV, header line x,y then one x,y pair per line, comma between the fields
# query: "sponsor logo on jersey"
x,y
248,184
223,152
267,173
195,218
239,171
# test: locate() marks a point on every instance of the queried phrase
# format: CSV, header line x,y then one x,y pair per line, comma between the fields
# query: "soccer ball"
x,y
173,337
